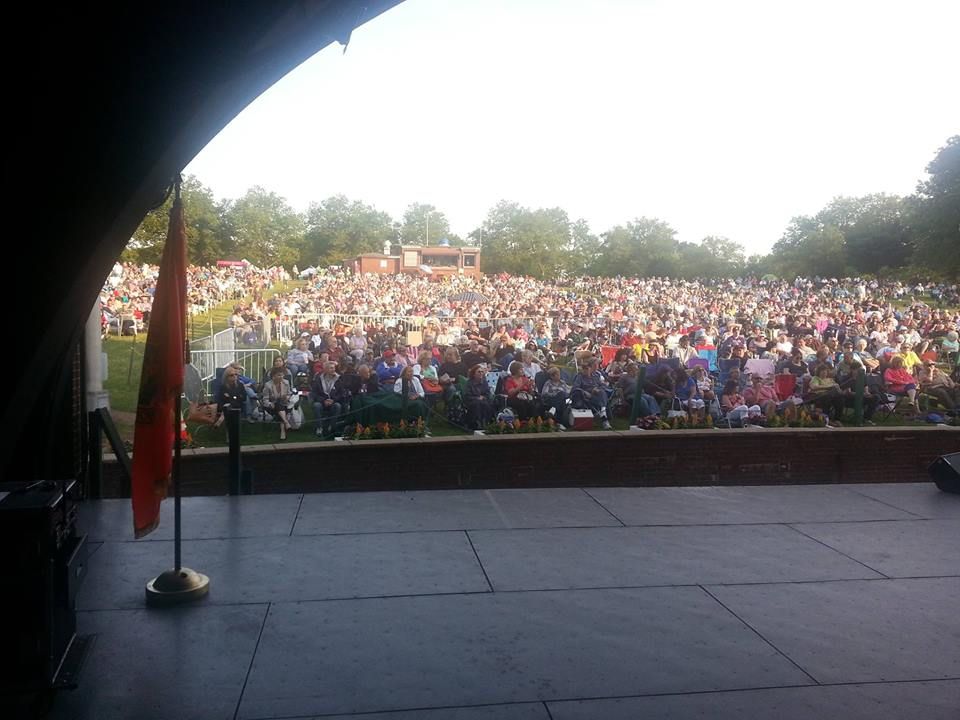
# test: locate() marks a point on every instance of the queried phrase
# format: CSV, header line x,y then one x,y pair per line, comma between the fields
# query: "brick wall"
x,y
688,457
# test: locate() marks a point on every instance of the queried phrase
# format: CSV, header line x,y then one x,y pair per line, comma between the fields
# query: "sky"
x,y
721,118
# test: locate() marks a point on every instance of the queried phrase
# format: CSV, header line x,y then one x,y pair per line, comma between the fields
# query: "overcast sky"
x,y
720,117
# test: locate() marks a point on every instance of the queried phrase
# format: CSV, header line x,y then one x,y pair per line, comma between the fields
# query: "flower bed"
x,y
686,422
537,425
386,431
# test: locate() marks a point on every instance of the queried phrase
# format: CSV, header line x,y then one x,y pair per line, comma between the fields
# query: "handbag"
x,y
431,386
676,409
202,413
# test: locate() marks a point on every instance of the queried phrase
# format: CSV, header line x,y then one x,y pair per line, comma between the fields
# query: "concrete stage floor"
x,y
793,602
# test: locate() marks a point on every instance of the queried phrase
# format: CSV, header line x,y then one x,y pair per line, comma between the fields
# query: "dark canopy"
x,y
108,102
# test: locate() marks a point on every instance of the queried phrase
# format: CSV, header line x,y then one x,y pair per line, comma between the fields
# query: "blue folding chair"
x,y
710,355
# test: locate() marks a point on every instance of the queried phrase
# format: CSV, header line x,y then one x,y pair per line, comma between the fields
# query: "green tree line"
x,y
874,234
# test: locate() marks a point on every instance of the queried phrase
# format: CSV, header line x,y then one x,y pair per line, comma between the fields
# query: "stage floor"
x,y
794,602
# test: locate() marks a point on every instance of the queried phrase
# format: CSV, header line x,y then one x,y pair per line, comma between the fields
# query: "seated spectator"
x,y
328,399
685,351
762,395
911,361
901,382
704,385
358,343
868,360
685,387
388,369
940,386
232,395
277,399
785,348
477,398
950,345
413,385
530,367
369,382
870,397
407,355
730,398
554,394
662,388
628,385
589,391
521,392
825,392
299,358
848,360
249,388
427,372
618,365
475,354
277,363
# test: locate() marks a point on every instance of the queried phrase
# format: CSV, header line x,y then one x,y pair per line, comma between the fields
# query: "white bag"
x,y
676,409
295,418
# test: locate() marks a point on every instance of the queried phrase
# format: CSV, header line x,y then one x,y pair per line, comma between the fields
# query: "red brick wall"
x,y
688,457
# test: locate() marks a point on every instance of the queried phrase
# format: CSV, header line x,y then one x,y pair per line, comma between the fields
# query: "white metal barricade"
x,y
254,362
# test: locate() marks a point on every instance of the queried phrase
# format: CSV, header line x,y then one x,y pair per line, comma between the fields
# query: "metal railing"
x,y
254,362
286,329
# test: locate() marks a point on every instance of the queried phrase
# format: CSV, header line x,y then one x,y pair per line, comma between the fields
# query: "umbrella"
x,y
469,296
769,276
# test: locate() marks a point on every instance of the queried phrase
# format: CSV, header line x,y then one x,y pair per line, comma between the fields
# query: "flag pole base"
x,y
175,587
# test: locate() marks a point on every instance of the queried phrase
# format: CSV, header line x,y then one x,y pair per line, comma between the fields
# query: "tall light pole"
x,y
428,214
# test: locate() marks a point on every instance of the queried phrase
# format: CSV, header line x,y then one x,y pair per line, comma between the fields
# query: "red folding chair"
x,y
607,353
784,386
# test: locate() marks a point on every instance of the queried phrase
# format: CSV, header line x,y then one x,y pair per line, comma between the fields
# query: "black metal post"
x,y
858,398
176,487
95,461
233,435
638,394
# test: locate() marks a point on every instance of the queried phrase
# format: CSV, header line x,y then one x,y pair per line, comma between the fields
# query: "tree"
x,y
338,228
423,225
810,247
643,247
584,251
723,258
202,214
522,241
874,229
935,212
264,229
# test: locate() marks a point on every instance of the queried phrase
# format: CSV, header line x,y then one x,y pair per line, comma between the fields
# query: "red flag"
x,y
161,381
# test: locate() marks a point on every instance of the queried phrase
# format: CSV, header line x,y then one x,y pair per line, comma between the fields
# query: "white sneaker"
x,y
606,425
319,432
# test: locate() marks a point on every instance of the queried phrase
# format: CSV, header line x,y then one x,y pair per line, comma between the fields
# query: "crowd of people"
x,y
732,349
127,293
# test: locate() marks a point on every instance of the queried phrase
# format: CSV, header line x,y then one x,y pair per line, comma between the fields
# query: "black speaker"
x,y
945,471
44,563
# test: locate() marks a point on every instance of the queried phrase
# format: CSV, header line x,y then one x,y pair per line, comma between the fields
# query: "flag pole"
x,y
180,584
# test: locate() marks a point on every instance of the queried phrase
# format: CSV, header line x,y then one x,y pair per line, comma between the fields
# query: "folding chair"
x,y
607,353
698,362
726,365
708,353
785,386
889,401
759,366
